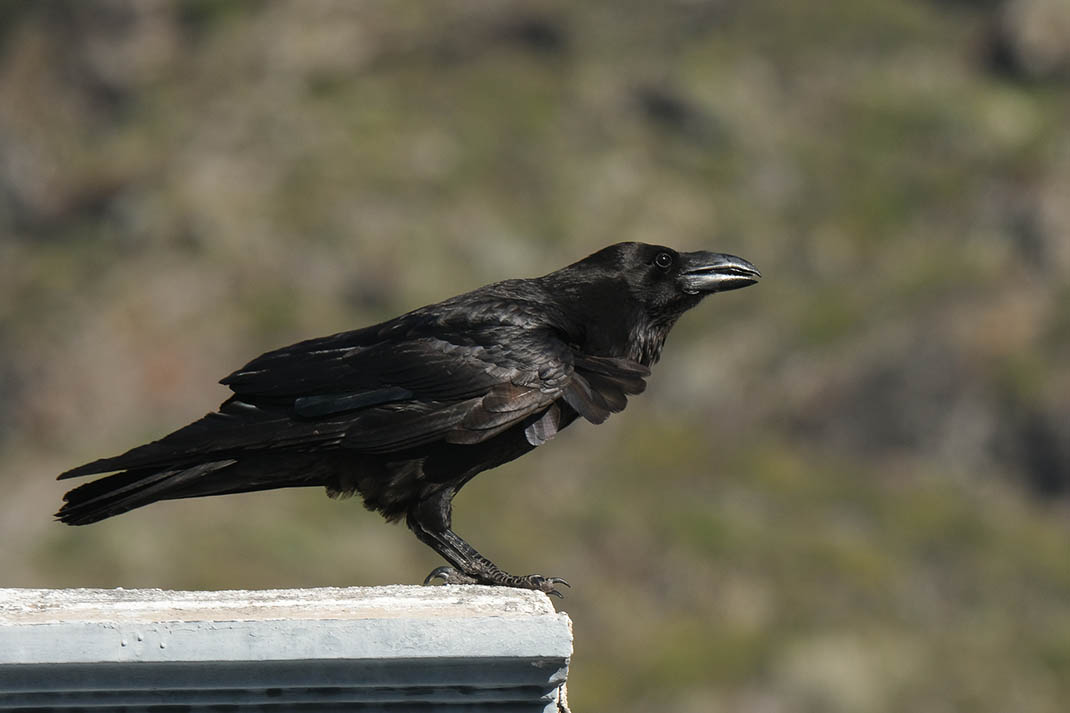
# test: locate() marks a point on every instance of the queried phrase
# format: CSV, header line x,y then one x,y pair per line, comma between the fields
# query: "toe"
x,y
448,575
442,573
547,585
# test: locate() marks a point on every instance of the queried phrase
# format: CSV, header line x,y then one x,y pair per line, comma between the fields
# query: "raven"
x,y
405,412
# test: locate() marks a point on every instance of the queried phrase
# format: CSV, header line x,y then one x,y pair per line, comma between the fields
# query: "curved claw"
x,y
442,573
448,575
546,585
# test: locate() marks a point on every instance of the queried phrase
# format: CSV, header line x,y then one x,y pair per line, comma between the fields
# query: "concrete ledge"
x,y
393,648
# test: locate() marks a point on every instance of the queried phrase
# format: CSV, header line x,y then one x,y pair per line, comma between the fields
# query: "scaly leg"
x,y
430,521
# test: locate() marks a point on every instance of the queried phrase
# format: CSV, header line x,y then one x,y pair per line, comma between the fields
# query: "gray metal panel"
x,y
384,648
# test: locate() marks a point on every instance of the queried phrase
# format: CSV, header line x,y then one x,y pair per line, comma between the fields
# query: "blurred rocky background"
x,y
847,487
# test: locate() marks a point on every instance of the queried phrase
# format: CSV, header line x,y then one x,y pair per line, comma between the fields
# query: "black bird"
x,y
407,411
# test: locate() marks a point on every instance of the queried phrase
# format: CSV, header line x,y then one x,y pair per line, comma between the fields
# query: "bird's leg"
x,y
470,567
430,521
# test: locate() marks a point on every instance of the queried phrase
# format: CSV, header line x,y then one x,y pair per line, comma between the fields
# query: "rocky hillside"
x,y
846,488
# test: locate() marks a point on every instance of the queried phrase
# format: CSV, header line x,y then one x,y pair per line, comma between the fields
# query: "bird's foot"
x,y
547,585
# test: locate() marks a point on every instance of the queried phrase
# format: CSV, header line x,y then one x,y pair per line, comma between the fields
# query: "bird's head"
x,y
650,286
668,282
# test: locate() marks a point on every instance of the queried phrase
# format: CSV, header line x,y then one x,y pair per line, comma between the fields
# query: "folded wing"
x,y
382,390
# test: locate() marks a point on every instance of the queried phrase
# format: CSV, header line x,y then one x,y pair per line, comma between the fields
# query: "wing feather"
x,y
400,385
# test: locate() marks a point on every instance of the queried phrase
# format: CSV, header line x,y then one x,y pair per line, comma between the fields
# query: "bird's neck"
x,y
604,320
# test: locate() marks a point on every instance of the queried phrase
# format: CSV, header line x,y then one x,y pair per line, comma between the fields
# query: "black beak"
x,y
715,272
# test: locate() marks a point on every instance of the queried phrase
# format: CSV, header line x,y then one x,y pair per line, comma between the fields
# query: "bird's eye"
x,y
663,260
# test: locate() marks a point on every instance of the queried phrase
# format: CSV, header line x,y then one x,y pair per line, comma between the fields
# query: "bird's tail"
x,y
119,493
215,455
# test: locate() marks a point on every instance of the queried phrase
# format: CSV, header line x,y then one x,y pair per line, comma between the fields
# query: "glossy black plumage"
x,y
405,412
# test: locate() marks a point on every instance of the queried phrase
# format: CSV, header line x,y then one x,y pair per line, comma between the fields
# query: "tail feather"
x,y
130,489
